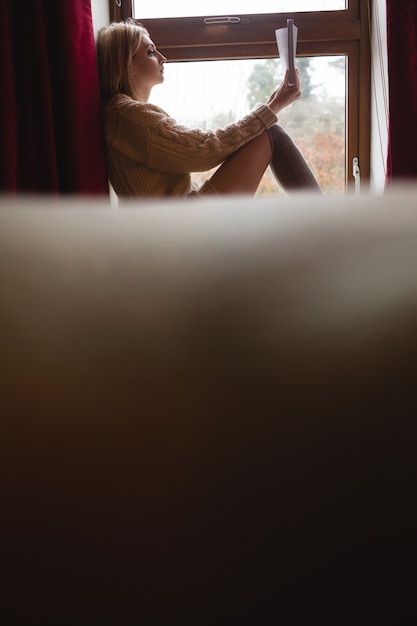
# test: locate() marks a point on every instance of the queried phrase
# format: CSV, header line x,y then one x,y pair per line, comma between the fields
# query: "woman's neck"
x,y
142,93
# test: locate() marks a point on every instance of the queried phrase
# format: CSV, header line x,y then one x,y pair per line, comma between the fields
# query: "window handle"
x,y
225,20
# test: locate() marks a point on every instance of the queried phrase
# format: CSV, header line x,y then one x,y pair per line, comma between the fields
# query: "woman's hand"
x,y
284,95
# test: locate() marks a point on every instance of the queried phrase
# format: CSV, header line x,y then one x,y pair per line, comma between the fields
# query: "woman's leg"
x,y
242,171
288,164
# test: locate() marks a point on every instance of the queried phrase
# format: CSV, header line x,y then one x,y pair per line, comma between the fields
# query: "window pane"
x,y
188,8
191,94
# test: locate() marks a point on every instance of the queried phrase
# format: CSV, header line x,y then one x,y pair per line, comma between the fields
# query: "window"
x,y
333,43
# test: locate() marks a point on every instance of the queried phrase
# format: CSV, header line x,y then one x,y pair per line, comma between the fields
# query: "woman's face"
x,y
148,64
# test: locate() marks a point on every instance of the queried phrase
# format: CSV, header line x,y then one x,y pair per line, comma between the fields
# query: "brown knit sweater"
x,y
150,154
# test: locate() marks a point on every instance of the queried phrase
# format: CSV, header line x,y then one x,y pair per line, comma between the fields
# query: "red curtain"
x,y
50,121
402,69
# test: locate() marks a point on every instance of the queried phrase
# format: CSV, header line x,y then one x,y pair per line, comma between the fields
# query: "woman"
x,y
149,154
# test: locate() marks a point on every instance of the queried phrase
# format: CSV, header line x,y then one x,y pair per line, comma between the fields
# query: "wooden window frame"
x,y
344,32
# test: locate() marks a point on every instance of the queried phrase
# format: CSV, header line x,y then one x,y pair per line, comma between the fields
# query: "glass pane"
x,y
189,8
316,121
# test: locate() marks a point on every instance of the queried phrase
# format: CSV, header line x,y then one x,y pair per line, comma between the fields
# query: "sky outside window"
x,y
191,8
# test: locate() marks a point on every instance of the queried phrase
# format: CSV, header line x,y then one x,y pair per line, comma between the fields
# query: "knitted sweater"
x,y
150,154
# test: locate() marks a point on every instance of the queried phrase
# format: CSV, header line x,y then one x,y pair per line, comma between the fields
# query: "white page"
x,y
283,36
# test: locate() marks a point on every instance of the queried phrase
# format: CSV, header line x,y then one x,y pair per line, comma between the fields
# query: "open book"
x,y
287,48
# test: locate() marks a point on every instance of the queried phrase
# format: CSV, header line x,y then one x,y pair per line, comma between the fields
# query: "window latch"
x,y
357,174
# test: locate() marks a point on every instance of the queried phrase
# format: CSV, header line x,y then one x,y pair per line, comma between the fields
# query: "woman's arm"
x,y
146,134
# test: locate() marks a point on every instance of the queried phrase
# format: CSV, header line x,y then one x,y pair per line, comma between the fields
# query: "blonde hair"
x,y
116,45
